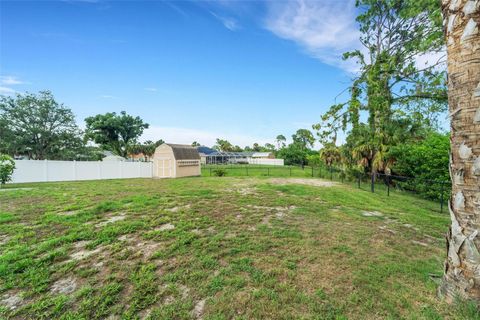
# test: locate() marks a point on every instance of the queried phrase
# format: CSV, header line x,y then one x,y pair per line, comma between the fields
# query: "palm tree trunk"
x,y
462,266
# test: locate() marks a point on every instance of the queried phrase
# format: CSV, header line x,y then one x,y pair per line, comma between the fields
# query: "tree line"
x,y
38,127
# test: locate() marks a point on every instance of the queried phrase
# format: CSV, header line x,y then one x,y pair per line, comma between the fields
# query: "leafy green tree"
x,y
223,145
304,138
424,161
395,93
280,139
314,160
293,154
39,127
7,165
116,133
269,147
256,147
195,144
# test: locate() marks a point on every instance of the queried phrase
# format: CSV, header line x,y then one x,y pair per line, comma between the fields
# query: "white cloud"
x,y
10,80
325,29
151,89
6,91
106,96
228,22
208,138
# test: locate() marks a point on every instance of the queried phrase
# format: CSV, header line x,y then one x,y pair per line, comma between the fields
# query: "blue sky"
x,y
245,71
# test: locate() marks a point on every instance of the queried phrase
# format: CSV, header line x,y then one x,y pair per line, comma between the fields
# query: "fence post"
x,y
331,173
312,171
290,171
359,178
388,188
247,170
210,172
373,182
441,197
343,175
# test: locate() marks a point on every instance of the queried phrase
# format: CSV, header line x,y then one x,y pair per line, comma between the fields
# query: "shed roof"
x,y
184,151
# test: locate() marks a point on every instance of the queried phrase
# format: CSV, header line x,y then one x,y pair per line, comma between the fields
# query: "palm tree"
x,y
462,266
280,141
330,154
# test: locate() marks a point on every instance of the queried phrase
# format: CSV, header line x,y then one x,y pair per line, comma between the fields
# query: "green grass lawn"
x,y
261,171
219,248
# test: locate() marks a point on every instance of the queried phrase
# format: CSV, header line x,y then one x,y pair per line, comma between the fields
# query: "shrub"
x,y
219,172
425,161
7,165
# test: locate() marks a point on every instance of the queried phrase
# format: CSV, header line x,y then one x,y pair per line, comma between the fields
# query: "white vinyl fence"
x,y
52,170
271,162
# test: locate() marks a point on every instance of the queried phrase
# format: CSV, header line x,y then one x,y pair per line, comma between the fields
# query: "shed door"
x,y
164,168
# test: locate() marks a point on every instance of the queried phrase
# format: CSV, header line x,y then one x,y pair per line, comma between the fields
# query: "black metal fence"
x,y
435,190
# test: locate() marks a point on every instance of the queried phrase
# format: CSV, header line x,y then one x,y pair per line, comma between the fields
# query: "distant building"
x,y
212,156
110,156
263,155
139,157
204,152
113,158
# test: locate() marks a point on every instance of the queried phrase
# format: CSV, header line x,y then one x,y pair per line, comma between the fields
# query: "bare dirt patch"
x,y
14,189
68,213
165,227
178,208
385,228
4,239
81,252
266,220
64,286
230,235
420,243
272,212
211,230
11,301
409,226
280,215
112,219
184,291
245,191
198,309
310,182
372,214
140,247
272,209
